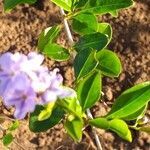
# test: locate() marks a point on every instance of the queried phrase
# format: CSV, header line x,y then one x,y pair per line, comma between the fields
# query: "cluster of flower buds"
x,y
25,82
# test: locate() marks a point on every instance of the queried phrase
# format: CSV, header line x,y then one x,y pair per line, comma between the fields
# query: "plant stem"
x,y
68,32
71,42
67,29
98,143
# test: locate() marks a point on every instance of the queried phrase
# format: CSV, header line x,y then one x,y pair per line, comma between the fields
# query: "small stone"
x,y
122,77
109,94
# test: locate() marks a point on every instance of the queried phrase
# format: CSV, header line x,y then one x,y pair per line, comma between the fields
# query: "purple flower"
x,y
9,69
25,82
56,90
21,95
33,63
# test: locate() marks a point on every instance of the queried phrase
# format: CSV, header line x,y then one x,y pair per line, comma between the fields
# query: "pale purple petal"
x,y
6,61
24,107
4,81
49,96
34,62
35,58
56,81
65,92
40,82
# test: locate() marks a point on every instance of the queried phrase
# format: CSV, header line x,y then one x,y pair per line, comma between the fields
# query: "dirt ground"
x,y
19,31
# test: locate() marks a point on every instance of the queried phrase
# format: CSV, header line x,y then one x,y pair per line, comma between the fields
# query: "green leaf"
x,y
46,112
71,106
137,115
102,123
89,90
40,126
105,28
84,63
7,139
74,128
80,3
105,6
48,36
14,126
114,13
56,52
109,63
65,4
121,128
84,26
96,41
130,101
10,4
116,125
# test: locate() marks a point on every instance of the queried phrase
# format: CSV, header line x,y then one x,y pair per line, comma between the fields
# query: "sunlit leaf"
x,y
65,4
109,63
121,128
46,112
89,90
84,63
106,6
48,36
102,123
84,26
74,128
56,52
105,28
96,41
14,126
116,125
130,101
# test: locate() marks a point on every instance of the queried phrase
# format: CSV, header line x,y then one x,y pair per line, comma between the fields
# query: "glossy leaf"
x,y
130,101
137,115
114,13
84,26
40,126
84,63
56,52
14,126
105,28
80,4
106,6
102,123
96,41
48,36
74,128
89,90
71,106
46,112
121,128
116,125
10,4
65,4
7,139
109,63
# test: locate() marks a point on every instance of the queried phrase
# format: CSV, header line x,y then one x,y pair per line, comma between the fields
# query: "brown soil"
x,y
19,31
